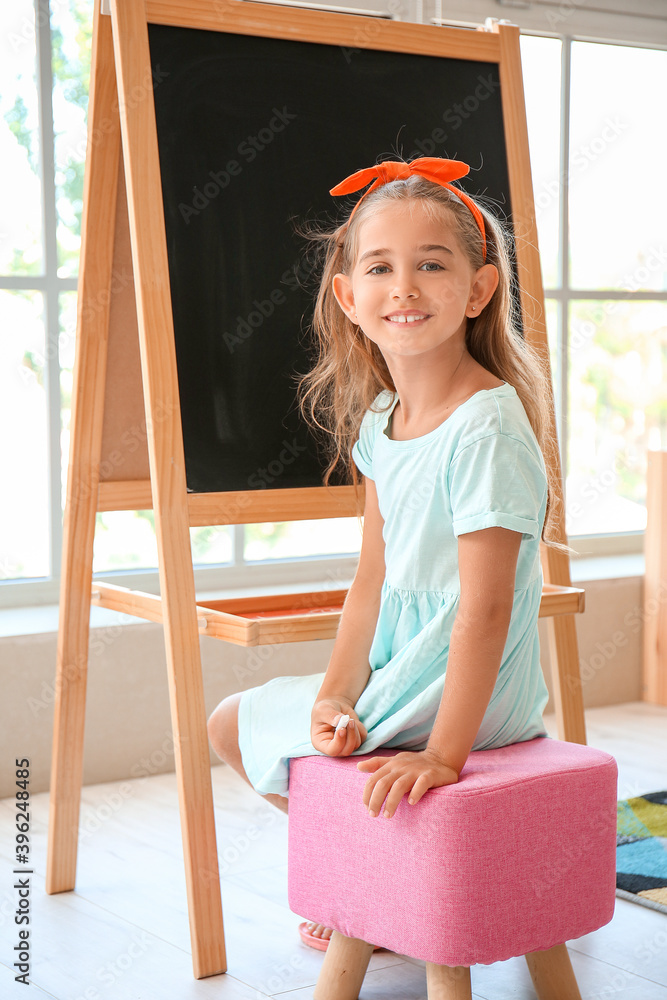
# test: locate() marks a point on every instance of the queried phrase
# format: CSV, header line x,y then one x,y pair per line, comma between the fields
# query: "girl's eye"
x,y
429,265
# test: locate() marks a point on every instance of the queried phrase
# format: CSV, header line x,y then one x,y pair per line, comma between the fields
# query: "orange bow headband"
x,y
433,168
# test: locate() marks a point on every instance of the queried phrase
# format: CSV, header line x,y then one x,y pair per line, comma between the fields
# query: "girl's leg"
x,y
223,732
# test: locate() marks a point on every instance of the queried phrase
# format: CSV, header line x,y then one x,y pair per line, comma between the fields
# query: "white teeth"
x,y
404,319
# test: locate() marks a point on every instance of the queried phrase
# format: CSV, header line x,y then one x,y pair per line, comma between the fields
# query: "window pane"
x,y
20,214
291,539
212,546
618,203
618,410
541,59
125,539
71,32
24,459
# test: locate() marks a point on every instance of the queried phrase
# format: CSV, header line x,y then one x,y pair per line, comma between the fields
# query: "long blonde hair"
x,y
350,369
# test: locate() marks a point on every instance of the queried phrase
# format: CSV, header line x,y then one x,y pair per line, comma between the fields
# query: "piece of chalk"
x,y
342,722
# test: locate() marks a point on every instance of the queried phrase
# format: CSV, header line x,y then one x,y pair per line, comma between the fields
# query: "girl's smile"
x,y
407,317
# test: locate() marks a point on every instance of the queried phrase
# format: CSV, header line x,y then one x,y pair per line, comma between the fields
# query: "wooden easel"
x,y
126,378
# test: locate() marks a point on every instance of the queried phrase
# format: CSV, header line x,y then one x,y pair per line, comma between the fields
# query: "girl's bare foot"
x,y
318,935
315,935
320,931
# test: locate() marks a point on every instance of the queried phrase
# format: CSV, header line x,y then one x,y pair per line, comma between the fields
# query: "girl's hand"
x,y
409,773
325,716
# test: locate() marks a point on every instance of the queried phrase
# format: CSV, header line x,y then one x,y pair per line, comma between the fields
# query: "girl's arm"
x,y
349,669
487,570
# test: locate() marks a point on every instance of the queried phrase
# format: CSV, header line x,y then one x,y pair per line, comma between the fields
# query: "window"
x,y
616,286
606,287
24,445
596,160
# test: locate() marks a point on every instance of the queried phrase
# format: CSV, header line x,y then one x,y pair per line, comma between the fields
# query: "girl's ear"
x,y
342,289
481,291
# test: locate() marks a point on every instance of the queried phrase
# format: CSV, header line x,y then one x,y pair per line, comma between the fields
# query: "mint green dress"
x,y
480,468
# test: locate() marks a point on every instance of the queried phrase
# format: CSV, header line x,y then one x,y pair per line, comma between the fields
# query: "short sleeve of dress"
x,y
371,425
497,481
362,452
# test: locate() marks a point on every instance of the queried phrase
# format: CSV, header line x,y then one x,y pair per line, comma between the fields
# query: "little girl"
x,y
443,406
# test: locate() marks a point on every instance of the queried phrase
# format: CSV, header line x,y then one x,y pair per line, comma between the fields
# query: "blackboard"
x,y
253,132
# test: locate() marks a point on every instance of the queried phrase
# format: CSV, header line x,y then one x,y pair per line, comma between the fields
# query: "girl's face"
x,y
412,286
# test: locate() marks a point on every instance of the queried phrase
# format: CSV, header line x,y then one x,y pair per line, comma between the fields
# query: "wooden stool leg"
x,y
344,968
446,982
552,974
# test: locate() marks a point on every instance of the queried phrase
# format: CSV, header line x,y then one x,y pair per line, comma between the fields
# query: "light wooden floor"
x,y
123,934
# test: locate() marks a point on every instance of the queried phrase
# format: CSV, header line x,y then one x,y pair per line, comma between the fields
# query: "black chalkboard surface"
x,y
252,133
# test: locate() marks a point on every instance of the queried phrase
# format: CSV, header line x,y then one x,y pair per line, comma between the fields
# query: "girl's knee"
x,y
223,730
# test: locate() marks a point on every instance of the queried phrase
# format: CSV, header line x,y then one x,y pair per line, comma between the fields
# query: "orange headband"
x,y
433,168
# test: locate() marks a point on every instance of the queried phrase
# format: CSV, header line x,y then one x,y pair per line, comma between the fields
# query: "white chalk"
x,y
342,722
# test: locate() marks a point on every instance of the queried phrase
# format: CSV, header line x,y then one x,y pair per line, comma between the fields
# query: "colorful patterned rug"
x,y
641,851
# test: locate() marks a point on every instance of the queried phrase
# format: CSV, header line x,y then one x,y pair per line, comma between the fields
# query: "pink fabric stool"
x,y
518,857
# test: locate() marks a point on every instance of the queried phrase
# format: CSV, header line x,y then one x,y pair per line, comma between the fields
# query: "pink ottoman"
x,y
518,857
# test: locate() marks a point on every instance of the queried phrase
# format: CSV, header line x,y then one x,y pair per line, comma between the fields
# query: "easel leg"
x,y
168,485
564,650
68,730
568,695
193,767
87,417
556,564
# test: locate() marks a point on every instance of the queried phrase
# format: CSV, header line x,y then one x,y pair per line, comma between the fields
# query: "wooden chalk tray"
x,y
276,618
